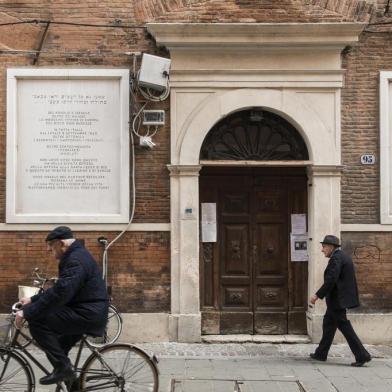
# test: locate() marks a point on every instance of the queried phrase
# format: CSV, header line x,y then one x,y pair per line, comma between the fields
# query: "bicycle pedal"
x,y
155,359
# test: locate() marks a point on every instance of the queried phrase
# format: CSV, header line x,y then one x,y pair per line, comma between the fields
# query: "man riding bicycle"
x,y
77,304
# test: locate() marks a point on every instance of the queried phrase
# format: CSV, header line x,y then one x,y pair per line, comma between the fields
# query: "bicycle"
x,y
113,367
113,327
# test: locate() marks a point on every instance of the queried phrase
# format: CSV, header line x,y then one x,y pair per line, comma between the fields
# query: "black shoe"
x,y
362,362
317,358
58,375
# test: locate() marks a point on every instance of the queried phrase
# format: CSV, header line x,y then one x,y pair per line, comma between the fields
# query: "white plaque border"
x,y
385,148
15,74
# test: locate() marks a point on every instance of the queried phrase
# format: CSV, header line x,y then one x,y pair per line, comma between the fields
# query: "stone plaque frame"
x,y
107,200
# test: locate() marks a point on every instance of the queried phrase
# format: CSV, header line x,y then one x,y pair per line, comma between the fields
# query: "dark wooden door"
x,y
270,247
235,273
248,284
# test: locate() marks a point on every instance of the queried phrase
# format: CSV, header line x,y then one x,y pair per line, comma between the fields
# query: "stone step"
x,y
256,339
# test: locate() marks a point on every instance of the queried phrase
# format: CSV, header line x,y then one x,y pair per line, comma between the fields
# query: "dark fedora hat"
x,y
331,240
60,233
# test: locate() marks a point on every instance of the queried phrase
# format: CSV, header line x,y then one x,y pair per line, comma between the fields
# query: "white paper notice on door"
x,y
299,247
208,222
298,223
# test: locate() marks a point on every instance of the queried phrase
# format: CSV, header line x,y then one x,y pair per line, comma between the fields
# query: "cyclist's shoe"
x,y
58,375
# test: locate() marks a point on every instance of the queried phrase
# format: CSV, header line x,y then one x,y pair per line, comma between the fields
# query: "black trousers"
x,y
57,333
337,319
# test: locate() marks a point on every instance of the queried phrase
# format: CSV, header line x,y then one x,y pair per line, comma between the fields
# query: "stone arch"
x,y
255,134
318,137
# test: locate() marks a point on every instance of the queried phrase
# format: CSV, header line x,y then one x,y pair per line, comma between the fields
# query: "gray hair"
x,y
67,242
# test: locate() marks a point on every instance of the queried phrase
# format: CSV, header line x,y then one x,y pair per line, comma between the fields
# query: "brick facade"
x,y
139,271
372,255
140,262
360,125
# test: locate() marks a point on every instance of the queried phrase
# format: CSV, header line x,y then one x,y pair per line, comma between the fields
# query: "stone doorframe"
x,y
293,70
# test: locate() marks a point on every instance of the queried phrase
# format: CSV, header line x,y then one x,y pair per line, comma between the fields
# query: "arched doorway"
x,y
248,283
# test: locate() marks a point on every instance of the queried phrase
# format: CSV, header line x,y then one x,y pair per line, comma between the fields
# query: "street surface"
x,y
251,367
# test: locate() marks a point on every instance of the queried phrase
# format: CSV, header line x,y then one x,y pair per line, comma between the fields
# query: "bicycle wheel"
x,y
119,367
112,330
15,373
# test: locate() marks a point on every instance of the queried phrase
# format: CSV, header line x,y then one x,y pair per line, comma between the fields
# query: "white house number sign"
x,y
368,159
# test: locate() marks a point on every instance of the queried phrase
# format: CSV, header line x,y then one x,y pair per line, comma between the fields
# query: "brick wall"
x,y
360,124
90,47
138,269
139,262
372,256
248,11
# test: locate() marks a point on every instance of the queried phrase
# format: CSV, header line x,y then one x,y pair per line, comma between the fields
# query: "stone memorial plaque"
x,y
67,146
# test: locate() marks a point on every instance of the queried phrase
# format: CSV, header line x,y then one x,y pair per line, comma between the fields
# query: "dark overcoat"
x,y
79,288
340,286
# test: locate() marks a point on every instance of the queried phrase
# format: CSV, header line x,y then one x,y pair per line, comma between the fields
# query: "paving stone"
x,y
269,386
215,367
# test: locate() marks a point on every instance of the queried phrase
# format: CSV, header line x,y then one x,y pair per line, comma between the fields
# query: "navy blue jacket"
x,y
79,286
340,286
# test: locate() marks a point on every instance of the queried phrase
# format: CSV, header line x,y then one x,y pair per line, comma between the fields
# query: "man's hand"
x,y
25,301
313,299
19,318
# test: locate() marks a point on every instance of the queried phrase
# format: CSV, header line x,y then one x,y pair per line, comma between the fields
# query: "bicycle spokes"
x,y
120,368
14,375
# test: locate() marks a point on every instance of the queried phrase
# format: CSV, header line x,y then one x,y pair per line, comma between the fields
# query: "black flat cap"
x,y
331,240
60,233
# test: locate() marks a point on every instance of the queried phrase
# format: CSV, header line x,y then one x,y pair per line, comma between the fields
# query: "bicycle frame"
x,y
15,346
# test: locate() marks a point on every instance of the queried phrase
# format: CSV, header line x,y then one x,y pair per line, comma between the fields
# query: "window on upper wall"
x,y
386,147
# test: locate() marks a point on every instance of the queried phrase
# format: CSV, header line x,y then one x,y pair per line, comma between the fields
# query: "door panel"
x,y
270,281
235,258
236,323
248,283
270,323
269,250
235,273
236,296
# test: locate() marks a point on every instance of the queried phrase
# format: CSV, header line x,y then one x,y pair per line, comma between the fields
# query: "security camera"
x,y
146,141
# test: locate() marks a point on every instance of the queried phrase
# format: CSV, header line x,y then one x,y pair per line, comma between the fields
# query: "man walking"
x,y
341,293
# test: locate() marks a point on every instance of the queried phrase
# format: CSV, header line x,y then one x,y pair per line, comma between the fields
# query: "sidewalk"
x,y
254,367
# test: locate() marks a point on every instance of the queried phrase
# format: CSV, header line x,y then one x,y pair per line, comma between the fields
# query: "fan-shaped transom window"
x,y
254,135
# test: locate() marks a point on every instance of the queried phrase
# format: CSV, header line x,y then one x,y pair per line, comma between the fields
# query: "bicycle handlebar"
x,y
16,306
40,280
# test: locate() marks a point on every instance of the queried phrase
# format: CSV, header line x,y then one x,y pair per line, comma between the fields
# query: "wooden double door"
x,y
248,283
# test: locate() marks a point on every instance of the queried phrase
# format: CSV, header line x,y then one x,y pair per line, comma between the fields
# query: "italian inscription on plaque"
x,y
70,151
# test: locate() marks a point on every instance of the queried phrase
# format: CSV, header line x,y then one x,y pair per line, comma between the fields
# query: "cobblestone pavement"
x,y
251,367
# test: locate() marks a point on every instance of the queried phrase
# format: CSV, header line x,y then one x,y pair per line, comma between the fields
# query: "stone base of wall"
x,y
372,328
145,327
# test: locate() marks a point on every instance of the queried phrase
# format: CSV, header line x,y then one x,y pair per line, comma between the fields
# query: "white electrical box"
x,y
154,72
153,117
